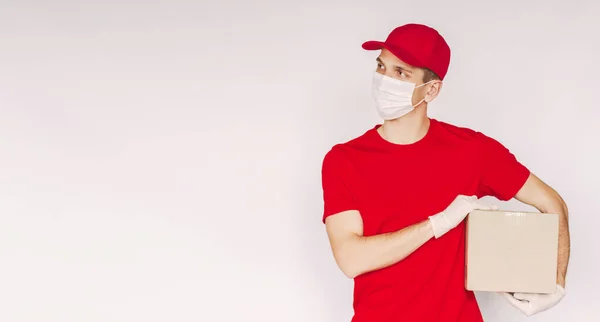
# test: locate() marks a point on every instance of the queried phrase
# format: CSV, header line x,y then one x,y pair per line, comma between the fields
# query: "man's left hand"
x,y
531,303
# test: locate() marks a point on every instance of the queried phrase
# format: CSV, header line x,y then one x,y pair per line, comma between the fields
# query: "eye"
x,y
379,66
401,73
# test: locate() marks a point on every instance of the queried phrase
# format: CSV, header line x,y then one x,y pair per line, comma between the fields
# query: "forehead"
x,y
388,58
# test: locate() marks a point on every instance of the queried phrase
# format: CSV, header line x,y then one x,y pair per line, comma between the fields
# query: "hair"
x,y
429,75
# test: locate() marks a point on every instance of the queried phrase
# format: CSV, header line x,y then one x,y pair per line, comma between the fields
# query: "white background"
x,y
160,161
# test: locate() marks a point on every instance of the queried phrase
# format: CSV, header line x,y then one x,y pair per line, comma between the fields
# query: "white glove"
x,y
455,213
531,303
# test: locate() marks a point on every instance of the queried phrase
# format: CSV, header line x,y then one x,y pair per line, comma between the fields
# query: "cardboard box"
x,y
510,251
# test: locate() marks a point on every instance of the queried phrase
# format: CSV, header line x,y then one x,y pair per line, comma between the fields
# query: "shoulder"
x,y
458,132
334,157
464,135
340,152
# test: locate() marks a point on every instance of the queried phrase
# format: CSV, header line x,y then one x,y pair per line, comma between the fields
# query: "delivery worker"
x,y
395,197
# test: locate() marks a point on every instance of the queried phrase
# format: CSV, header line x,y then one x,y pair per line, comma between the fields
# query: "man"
x,y
395,197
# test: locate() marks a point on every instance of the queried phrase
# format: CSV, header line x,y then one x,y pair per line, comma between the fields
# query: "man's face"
x,y
390,65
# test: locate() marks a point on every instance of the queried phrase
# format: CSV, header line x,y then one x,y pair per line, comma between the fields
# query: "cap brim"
x,y
398,52
373,45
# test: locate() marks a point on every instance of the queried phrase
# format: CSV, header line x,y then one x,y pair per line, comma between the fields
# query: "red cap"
x,y
416,45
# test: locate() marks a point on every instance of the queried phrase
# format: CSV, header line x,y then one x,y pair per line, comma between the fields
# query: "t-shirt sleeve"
x,y
501,174
336,178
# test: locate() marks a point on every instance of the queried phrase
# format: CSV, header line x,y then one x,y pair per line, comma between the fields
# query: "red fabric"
x,y
417,45
394,186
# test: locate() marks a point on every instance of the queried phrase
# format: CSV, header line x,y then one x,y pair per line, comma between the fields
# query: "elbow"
x,y
347,265
556,205
553,203
350,272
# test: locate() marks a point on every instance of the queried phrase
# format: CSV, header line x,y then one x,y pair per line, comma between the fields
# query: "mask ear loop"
x,y
433,80
419,103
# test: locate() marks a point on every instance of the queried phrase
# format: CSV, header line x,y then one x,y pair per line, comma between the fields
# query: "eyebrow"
x,y
396,66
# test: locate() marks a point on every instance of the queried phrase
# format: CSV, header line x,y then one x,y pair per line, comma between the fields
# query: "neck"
x,y
408,129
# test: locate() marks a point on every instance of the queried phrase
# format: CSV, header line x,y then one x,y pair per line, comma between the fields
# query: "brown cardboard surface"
x,y
511,251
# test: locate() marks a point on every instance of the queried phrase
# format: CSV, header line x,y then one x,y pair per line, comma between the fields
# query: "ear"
x,y
434,91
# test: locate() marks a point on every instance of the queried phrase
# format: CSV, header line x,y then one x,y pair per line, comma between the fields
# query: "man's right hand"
x,y
455,213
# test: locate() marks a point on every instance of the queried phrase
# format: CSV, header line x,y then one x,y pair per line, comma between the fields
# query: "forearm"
x,y
359,254
545,199
564,245
558,206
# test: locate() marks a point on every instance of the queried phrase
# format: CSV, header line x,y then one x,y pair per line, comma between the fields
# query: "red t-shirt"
x,y
394,186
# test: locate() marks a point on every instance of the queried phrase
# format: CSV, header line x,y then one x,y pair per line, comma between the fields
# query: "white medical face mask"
x,y
393,97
